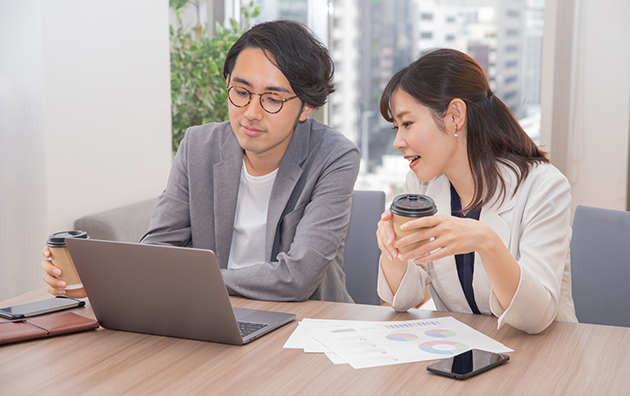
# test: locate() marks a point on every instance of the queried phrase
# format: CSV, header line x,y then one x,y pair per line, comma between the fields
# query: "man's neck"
x,y
257,166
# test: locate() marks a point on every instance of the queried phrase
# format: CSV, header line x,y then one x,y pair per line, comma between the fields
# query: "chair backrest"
x,y
361,252
600,266
125,224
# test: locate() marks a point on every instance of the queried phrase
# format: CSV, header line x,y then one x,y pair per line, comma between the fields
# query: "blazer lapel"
x,y
289,173
226,179
494,216
440,191
499,210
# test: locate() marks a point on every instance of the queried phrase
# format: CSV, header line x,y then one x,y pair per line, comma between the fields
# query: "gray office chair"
x,y
361,253
600,266
126,224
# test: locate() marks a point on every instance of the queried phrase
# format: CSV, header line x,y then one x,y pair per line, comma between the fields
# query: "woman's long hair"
x,y
493,134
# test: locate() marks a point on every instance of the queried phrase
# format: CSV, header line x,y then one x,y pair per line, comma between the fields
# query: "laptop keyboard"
x,y
247,328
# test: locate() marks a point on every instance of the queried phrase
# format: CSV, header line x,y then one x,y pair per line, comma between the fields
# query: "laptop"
x,y
165,290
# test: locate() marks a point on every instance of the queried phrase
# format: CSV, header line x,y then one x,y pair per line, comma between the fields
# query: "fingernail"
x,y
404,257
404,227
56,272
397,245
61,284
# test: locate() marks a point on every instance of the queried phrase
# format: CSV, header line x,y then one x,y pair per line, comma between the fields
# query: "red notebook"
x,y
44,326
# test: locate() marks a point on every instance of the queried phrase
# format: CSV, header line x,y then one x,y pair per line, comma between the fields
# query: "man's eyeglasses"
x,y
271,102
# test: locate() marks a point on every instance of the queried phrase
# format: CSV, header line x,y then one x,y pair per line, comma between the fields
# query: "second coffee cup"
x,y
408,207
61,259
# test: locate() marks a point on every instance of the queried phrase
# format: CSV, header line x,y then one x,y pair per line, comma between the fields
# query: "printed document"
x,y
371,344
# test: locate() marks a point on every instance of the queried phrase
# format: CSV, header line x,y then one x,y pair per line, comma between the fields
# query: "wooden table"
x,y
566,359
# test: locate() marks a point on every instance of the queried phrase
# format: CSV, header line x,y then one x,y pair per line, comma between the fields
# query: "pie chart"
x,y
402,337
440,333
443,347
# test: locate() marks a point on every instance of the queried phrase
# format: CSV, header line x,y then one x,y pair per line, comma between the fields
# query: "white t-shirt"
x,y
250,222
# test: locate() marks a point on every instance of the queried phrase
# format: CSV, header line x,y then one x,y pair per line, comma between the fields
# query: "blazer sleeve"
x,y
411,290
170,220
295,275
545,235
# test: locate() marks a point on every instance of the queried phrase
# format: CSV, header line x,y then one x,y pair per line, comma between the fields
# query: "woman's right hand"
x,y
393,268
57,287
386,236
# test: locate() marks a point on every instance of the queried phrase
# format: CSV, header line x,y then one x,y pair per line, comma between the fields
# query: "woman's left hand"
x,y
449,235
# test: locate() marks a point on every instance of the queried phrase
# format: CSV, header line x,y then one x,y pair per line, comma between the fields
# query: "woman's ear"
x,y
456,114
306,111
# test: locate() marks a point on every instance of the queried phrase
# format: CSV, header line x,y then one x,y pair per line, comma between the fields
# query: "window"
x,y
378,38
511,79
510,95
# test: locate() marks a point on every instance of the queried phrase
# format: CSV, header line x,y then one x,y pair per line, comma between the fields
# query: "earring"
x,y
456,134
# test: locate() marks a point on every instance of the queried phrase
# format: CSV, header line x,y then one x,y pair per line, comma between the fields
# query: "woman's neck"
x,y
464,184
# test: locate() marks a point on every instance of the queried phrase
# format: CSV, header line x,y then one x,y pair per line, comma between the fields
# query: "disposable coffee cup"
x,y
61,259
408,207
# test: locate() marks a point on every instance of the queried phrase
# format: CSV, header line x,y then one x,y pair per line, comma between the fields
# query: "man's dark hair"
x,y
302,58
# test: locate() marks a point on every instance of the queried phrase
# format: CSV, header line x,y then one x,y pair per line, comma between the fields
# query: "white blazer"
x,y
534,224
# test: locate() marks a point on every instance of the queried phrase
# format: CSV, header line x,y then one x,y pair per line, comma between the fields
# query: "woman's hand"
x,y
393,268
386,236
449,236
57,287
444,236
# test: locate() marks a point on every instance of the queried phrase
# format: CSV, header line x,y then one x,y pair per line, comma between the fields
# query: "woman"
x,y
499,243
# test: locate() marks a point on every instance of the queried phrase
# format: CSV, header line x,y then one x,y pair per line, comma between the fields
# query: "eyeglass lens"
x,y
240,97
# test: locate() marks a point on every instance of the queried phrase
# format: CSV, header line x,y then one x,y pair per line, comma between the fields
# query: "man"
x,y
269,191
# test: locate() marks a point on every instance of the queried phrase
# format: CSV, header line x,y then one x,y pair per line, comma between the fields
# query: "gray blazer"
x,y
308,213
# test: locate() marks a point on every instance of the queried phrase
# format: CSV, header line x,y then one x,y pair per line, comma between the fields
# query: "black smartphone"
x,y
468,363
58,303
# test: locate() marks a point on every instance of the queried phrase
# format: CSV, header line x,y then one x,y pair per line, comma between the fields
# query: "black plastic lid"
x,y
413,205
58,239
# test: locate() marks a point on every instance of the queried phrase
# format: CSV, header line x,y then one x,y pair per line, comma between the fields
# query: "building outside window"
x,y
371,40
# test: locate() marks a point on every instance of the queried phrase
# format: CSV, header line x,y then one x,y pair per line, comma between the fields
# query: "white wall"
x,y
586,97
84,119
600,104
23,222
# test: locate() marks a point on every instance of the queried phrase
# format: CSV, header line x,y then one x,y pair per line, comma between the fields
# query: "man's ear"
x,y
306,111
456,113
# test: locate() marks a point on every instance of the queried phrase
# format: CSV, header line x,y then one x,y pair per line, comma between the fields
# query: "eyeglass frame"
x,y
260,95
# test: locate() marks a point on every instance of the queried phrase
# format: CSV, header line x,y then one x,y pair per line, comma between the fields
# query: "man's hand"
x,y
57,287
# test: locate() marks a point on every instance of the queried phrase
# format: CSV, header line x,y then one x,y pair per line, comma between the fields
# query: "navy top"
x,y
465,262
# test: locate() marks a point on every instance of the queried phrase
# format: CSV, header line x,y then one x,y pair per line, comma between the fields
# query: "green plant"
x,y
198,90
